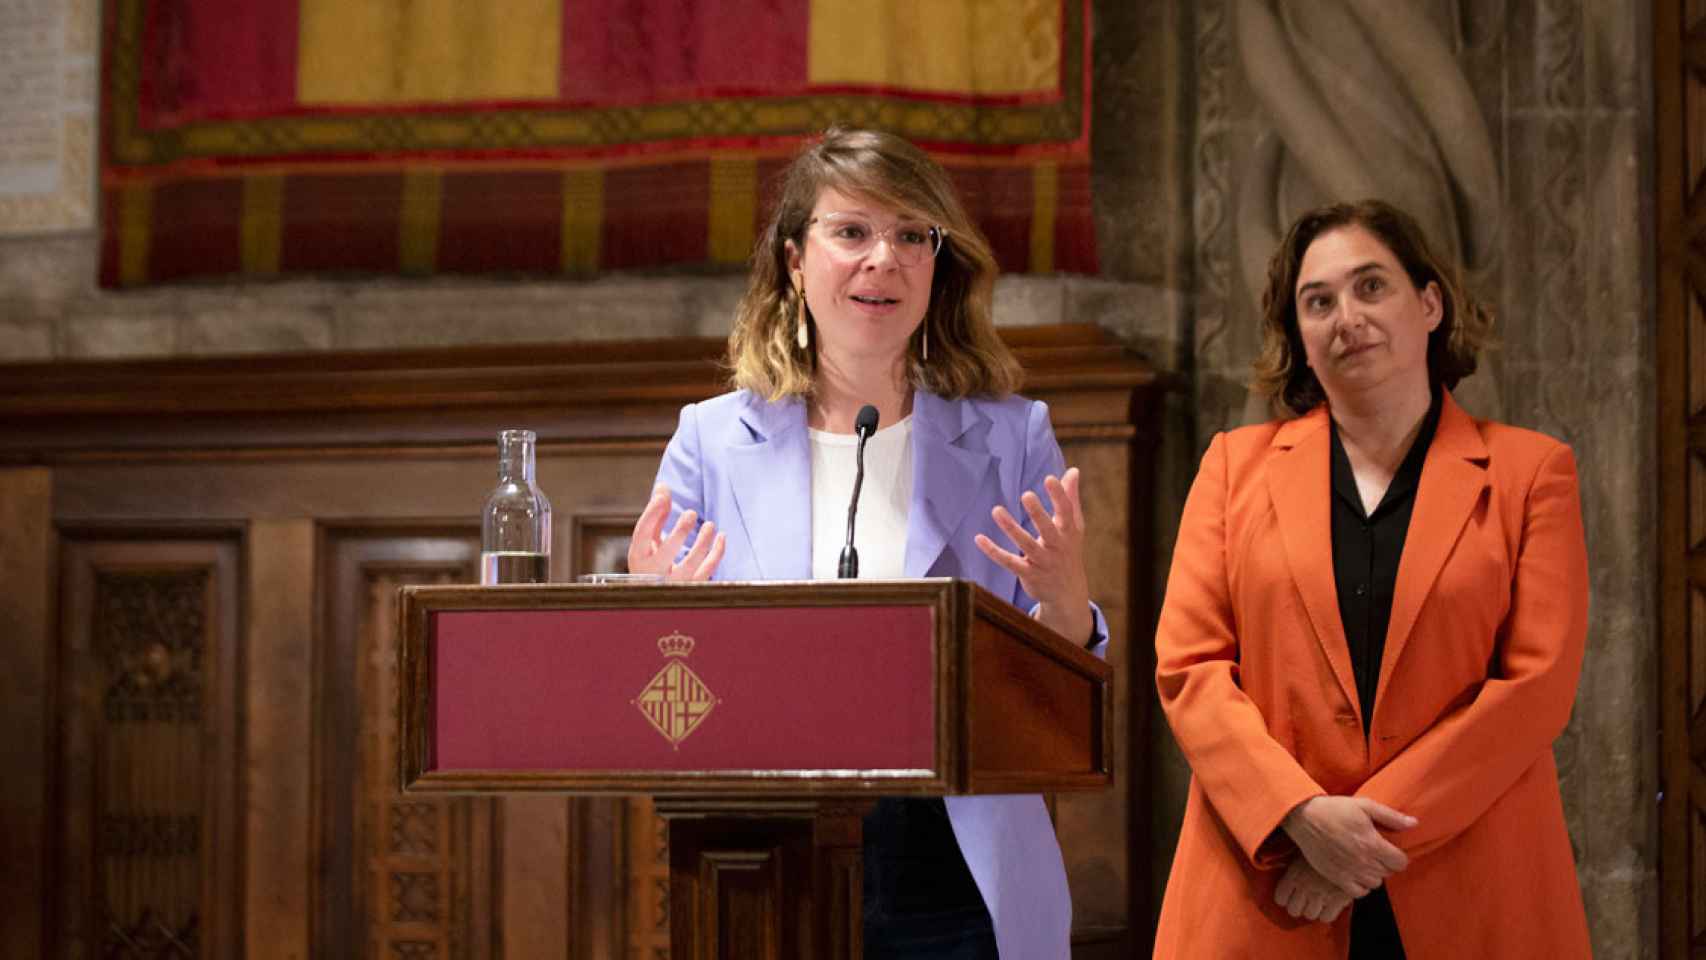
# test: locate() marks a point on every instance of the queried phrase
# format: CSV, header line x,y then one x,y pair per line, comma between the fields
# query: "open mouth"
x,y
875,301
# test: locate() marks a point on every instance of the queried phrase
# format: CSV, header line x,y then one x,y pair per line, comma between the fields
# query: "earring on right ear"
x,y
800,329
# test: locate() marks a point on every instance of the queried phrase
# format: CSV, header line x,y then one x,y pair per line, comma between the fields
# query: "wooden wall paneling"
x,y
150,798
538,876
359,448
27,546
597,874
1136,667
621,846
1093,828
1108,432
647,890
398,876
345,489
598,543
1679,63
280,720
608,397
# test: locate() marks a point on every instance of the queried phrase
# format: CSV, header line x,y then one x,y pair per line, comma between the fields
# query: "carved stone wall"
x,y
1556,230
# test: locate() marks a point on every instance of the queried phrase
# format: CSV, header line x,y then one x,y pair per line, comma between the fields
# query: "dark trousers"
x,y
954,935
921,902
1374,930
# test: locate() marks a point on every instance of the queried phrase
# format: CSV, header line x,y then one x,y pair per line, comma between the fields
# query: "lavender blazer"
x,y
746,464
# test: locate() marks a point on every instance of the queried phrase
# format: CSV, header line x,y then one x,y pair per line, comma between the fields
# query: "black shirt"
x,y
1366,550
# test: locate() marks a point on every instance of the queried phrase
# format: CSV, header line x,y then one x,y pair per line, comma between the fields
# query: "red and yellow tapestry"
x,y
262,138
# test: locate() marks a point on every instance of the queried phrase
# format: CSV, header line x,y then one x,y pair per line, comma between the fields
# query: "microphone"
x,y
864,425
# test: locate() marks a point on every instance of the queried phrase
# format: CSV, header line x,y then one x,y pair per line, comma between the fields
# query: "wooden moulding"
x,y
1017,707
582,394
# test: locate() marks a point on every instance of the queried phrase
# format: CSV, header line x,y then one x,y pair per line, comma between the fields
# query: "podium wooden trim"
x,y
768,863
984,652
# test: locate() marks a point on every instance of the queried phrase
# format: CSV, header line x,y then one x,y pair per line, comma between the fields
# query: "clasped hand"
x,y
1343,853
651,551
1050,565
1307,895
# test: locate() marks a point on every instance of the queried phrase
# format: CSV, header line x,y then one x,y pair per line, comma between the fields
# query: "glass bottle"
x,y
515,530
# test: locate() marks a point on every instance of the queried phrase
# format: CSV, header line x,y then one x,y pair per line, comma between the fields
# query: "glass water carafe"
x,y
515,531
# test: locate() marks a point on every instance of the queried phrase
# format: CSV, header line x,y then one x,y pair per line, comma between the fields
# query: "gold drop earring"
x,y
924,348
800,292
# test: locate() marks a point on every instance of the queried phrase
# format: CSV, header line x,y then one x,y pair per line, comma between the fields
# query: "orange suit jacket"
x,y
1489,620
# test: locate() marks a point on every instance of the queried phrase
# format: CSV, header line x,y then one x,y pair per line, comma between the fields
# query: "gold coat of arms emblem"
x,y
676,701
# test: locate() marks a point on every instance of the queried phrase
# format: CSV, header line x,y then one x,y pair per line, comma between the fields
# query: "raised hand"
x,y
1050,565
1307,895
650,551
1338,836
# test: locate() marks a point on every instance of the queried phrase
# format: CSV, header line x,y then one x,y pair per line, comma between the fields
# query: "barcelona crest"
x,y
676,701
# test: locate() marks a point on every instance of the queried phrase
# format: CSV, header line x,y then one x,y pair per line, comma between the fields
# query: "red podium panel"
x,y
766,718
785,688
779,689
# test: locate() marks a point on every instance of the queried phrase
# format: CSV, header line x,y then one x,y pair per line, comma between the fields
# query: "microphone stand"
x,y
864,425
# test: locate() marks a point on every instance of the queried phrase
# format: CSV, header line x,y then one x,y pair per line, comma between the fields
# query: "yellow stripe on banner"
x,y
734,204
135,220
263,224
1045,201
427,51
583,220
947,46
417,226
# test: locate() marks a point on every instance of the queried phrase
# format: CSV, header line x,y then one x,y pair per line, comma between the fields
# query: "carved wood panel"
x,y
325,466
405,878
647,839
599,544
1679,74
147,772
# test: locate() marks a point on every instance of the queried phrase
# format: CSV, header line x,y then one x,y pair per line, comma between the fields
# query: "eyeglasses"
x,y
851,237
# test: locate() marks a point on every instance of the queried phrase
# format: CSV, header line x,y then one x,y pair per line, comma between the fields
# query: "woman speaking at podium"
x,y
871,287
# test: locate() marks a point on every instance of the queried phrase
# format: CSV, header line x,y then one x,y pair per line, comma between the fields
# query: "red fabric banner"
x,y
649,51
203,61
259,138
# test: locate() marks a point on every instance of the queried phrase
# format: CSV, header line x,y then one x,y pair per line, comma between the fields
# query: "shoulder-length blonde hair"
x,y
966,356
1282,372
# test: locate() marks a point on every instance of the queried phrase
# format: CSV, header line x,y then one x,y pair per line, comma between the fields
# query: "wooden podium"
x,y
765,718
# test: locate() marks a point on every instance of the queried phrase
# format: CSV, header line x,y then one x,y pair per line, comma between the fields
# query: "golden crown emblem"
x,y
676,644
676,701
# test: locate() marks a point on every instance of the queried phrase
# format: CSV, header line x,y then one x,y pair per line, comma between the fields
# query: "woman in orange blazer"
x,y
1372,634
